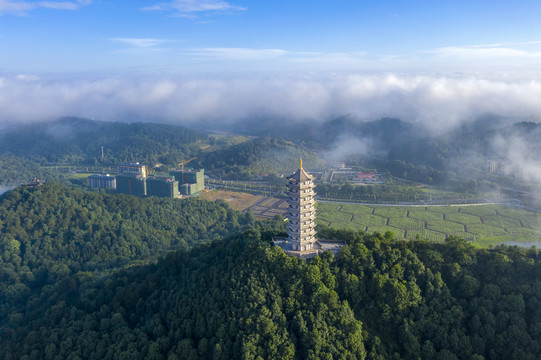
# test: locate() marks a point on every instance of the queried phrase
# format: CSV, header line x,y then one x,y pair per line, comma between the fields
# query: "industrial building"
x,y
102,181
132,168
162,186
190,181
500,167
131,184
132,179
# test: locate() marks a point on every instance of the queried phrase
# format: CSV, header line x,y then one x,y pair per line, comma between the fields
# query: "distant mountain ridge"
x,y
76,140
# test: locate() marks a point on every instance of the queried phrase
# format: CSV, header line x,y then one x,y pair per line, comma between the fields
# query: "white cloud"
x,y
440,103
188,8
140,42
239,53
27,77
22,8
528,49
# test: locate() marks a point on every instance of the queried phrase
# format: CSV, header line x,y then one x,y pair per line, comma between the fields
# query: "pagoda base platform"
x,y
318,248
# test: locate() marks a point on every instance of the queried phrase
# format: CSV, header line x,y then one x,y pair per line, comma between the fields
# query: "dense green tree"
x,y
91,275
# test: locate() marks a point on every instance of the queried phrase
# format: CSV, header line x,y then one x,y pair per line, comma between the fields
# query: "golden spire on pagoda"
x,y
301,163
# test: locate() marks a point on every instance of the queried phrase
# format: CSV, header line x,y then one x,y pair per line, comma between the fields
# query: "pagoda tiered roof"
x,y
301,176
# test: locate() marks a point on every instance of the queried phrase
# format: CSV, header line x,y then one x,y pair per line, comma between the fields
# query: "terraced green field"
x,y
484,225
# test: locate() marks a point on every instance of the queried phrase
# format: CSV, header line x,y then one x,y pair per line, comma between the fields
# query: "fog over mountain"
x,y
438,103
335,105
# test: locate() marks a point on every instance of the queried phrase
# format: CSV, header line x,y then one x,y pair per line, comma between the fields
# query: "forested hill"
x,y
257,156
236,299
79,141
243,298
79,278
52,233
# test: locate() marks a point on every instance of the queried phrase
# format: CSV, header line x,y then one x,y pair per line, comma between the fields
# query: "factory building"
x,y
190,181
132,168
162,186
131,184
102,181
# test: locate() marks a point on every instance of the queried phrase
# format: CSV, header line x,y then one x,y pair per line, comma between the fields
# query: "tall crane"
x,y
182,166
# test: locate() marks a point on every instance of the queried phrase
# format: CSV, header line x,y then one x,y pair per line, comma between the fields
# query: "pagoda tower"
x,y
301,212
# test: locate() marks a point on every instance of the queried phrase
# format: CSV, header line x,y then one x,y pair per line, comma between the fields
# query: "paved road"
x,y
412,205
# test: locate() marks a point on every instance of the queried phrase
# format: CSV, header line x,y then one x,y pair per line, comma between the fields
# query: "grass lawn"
x,y
370,220
390,211
358,210
463,218
425,215
446,227
485,225
501,221
406,223
484,210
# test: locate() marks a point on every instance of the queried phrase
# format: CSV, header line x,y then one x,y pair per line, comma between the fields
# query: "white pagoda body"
x,y
301,212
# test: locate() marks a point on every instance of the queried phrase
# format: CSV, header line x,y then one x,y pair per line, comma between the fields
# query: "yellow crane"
x,y
182,166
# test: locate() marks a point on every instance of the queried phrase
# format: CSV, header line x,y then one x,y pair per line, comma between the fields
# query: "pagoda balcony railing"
x,y
303,193
301,205
307,217
293,233
300,198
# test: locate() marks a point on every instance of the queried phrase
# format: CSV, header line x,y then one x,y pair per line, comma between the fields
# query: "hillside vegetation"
x,y
79,141
259,156
243,298
26,149
53,232
70,289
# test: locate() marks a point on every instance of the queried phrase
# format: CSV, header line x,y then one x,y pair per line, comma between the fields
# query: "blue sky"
x,y
205,36
440,63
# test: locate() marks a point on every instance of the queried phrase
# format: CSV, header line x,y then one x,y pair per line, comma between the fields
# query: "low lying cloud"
x,y
347,145
522,156
439,103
